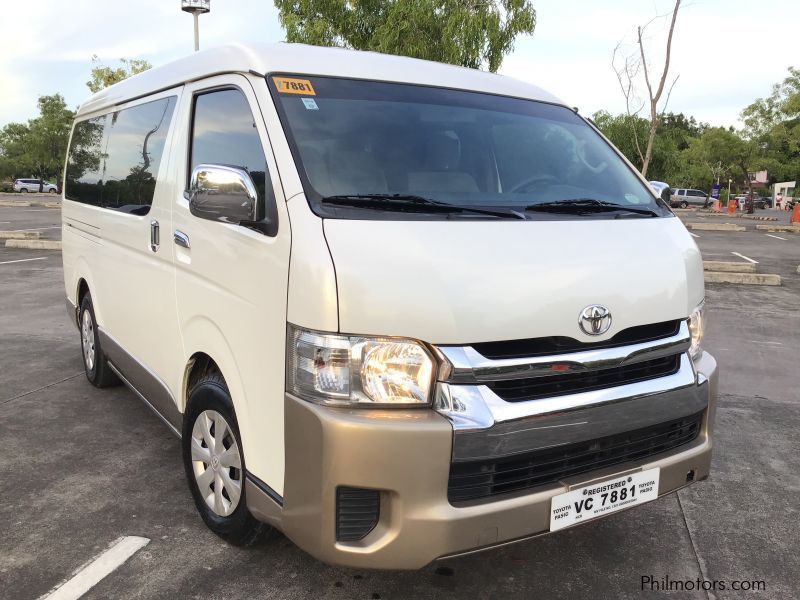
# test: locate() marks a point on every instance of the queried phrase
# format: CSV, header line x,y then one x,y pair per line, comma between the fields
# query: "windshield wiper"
x,y
411,202
587,205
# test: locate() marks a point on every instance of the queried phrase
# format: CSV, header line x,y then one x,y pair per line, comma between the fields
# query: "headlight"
x,y
353,370
697,327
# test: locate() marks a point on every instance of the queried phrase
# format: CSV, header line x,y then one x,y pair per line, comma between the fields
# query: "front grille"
x,y
518,390
490,477
562,345
357,512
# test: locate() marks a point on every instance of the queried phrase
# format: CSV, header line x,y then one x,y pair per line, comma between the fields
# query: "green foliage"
x,y
691,154
470,34
37,149
675,133
104,76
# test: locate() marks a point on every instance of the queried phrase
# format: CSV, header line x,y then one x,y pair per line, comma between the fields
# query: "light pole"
x,y
197,8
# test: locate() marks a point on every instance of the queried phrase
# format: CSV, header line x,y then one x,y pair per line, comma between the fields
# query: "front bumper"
x,y
406,455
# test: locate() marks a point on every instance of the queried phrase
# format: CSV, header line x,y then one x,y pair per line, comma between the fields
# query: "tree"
x,y
104,76
635,65
476,34
724,152
38,148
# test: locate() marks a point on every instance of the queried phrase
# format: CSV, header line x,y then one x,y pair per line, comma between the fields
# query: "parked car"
x,y
32,185
683,198
763,202
401,318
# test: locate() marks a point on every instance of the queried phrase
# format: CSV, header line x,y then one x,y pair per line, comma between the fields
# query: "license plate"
x,y
603,498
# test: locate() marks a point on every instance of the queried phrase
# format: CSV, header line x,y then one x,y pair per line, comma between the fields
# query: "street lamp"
x,y
197,8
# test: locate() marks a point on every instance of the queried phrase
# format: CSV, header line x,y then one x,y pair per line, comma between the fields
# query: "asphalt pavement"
x,y
82,467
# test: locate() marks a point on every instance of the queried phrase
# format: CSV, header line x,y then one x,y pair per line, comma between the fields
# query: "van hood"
x,y
461,282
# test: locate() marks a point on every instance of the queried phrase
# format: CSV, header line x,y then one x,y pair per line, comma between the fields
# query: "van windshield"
x,y
386,150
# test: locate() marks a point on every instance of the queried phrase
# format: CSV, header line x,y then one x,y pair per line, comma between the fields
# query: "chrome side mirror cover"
x,y
223,193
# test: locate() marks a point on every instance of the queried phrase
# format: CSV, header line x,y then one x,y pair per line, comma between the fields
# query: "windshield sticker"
x,y
310,104
288,85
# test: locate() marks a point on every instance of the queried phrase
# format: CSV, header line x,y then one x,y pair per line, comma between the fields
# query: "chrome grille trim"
x,y
467,366
478,407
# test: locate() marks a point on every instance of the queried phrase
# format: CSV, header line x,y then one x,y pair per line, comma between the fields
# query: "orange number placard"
x,y
289,85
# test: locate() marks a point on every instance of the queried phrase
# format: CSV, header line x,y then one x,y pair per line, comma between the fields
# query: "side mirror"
x,y
223,193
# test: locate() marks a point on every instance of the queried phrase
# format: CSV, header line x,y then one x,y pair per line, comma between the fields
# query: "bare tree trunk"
x,y
656,97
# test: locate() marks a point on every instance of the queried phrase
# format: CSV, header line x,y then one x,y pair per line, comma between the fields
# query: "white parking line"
x,y
36,228
8,262
777,237
755,262
97,569
766,343
694,234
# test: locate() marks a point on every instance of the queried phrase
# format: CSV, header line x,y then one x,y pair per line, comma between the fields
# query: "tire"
x,y
53,191
95,363
212,479
684,204
23,190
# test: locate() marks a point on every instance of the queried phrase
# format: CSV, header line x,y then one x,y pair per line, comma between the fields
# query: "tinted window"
x,y
135,148
84,178
114,159
697,193
224,133
464,148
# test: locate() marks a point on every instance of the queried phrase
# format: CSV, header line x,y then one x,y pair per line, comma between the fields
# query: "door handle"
x,y
155,236
181,239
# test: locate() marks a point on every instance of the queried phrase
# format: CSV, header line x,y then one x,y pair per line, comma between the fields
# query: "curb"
x,y
19,235
779,228
743,278
34,244
29,203
720,266
715,227
738,216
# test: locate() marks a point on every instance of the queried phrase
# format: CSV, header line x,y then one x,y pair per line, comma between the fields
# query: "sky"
x,y
726,53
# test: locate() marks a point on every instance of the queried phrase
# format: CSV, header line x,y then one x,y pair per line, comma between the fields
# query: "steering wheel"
x,y
522,185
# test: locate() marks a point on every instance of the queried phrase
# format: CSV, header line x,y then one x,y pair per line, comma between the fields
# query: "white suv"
x,y
32,185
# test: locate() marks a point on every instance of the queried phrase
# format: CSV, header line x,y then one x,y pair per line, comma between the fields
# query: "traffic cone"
x,y
732,202
715,207
795,214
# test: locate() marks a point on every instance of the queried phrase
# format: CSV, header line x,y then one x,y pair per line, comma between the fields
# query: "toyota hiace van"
x,y
396,309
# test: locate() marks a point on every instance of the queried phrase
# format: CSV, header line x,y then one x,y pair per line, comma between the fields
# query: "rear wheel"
x,y
214,462
684,204
23,190
95,363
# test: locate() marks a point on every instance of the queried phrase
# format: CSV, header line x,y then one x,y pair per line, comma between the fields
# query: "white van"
x,y
396,309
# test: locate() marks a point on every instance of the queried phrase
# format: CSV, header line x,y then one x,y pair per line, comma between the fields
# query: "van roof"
x,y
310,60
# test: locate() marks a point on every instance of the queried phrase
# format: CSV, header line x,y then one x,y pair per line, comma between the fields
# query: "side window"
x,y
135,147
113,159
84,177
224,133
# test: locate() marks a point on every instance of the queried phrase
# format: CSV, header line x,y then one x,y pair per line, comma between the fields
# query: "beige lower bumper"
x,y
406,455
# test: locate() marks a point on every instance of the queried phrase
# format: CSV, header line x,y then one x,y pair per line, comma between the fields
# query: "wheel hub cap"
x,y
216,462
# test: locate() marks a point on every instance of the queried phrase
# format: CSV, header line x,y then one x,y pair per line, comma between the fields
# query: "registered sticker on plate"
x,y
603,498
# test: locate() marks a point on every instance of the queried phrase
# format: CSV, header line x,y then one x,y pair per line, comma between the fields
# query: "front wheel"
x,y
214,462
53,191
23,190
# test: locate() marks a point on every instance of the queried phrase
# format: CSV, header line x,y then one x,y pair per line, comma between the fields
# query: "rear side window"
x,y
84,179
224,133
114,159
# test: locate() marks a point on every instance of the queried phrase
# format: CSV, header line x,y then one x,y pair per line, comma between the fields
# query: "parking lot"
x,y
82,467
